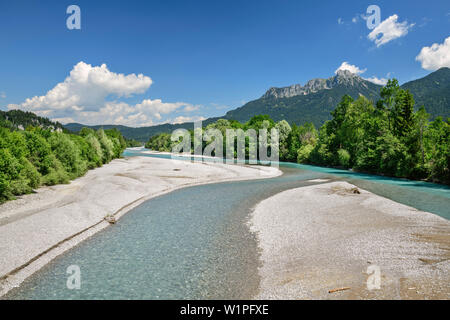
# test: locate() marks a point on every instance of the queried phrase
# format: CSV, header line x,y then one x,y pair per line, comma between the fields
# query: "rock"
x,y
110,219
315,85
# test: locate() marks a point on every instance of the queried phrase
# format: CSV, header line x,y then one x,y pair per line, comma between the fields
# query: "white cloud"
x,y
436,56
191,108
182,119
355,19
352,68
380,81
356,70
389,30
83,97
86,87
2,95
340,21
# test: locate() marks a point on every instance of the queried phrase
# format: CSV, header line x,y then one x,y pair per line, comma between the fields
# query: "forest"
x,y
386,137
40,156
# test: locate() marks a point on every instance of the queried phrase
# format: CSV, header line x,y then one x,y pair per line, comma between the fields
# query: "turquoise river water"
x,y
193,243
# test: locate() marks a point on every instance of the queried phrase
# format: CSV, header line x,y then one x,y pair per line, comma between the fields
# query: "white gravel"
x,y
318,238
37,227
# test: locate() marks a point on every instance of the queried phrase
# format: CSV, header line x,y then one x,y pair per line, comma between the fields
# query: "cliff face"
x,y
343,77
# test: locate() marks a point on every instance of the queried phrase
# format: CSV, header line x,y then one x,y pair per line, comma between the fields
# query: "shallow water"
x,y
193,243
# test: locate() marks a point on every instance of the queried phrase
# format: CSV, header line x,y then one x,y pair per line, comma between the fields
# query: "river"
x,y
194,243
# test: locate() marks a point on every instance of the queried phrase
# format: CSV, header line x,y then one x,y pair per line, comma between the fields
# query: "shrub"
x,y
30,173
304,153
95,154
56,174
39,152
107,146
343,157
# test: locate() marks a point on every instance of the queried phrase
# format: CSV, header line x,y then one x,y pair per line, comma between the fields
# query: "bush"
x,y
95,154
30,173
56,175
107,146
39,152
343,157
68,153
304,153
5,189
161,142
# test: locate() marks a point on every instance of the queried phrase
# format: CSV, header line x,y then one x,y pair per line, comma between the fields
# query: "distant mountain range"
x,y
313,102
141,134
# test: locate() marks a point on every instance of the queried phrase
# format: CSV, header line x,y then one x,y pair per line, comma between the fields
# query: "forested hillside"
x,y
43,156
312,106
432,91
17,119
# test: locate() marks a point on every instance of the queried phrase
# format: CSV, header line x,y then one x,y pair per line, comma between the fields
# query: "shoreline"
x,y
44,213
320,238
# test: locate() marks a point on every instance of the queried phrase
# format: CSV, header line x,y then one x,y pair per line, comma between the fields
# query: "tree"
x,y
402,113
284,129
388,94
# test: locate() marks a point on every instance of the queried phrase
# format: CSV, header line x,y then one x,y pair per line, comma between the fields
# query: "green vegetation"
x,y
17,119
42,156
433,91
388,138
131,143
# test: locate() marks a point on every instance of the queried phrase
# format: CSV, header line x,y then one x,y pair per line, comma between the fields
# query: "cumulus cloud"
x,y
389,30
182,119
380,81
83,97
340,21
356,70
436,56
350,67
191,108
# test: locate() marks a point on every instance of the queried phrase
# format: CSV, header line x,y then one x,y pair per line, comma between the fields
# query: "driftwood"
x,y
110,219
355,190
338,289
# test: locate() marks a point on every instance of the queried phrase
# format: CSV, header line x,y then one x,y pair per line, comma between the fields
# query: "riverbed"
x,y
195,243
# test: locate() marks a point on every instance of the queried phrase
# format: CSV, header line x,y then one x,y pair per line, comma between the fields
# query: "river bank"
x,y
38,227
316,239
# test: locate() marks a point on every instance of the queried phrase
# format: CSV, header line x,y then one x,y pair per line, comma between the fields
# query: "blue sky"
x,y
203,57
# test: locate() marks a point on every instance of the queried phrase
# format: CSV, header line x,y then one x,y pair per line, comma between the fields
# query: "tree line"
x,y
37,156
386,137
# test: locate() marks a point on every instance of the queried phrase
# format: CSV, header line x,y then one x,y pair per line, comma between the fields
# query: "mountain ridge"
x,y
313,85
312,102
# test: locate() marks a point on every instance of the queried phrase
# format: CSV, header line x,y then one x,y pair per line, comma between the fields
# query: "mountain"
x,y
432,91
141,134
313,102
18,119
310,103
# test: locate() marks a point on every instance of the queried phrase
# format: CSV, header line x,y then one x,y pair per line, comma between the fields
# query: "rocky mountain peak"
x,y
342,77
347,77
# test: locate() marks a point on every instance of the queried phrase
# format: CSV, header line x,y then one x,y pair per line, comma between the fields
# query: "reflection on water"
x,y
193,243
